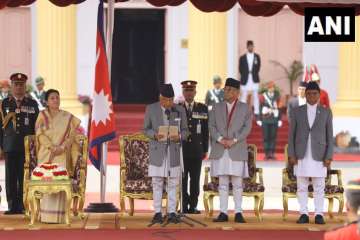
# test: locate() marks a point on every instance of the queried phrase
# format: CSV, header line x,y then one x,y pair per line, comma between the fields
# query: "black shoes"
x,y
239,218
319,219
224,218
303,219
10,212
193,211
173,218
221,218
157,218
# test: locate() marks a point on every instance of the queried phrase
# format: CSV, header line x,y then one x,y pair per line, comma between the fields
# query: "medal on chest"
x,y
198,127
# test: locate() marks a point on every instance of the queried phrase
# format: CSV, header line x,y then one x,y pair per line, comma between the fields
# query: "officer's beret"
x,y
216,79
39,80
231,82
188,84
166,90
18,77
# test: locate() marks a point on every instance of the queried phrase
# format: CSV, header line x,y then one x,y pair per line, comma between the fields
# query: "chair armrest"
x,y
206,179
29,156
259,173
122,178
285,178
338,173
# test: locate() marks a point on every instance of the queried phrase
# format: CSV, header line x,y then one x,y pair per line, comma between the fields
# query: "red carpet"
x,y
159,234
255,136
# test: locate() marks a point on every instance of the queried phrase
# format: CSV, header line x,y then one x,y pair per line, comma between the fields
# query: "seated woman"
x,y
352,230
55,134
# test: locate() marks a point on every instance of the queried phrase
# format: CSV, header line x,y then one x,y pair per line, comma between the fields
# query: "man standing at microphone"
x,y
164,157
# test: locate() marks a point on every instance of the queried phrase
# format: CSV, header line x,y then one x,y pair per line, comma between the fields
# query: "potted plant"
x,y
292,73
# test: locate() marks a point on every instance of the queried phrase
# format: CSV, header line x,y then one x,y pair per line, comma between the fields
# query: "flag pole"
x,y
109,35
104,206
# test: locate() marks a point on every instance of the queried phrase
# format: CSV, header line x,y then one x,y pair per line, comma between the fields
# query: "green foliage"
x,y
292,73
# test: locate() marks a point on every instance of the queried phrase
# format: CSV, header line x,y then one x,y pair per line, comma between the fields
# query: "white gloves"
x,y
279,123
259,123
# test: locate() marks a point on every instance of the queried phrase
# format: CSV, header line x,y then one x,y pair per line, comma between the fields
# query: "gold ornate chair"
x,y
77,175
253,186
289,187
134,162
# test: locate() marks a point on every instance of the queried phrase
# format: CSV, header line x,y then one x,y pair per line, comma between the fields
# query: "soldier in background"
x,y
18,116
5,89
216,94
270,119
39,93
195,147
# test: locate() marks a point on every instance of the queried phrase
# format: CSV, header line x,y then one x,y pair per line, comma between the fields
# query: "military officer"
x,y
5,89
270,119
195,147
18,116
216,94
39,93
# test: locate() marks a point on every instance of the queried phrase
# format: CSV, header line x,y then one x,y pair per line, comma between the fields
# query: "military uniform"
x,y
18,117
214,96
270,121
39,96
4,84
3,96
194,149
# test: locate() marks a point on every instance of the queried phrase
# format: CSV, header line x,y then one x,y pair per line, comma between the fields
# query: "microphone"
x,y
173,109
167,112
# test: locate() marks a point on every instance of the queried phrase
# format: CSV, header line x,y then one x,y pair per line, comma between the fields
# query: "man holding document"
x,y
161,125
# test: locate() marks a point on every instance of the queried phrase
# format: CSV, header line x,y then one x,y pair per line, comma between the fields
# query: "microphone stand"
x,y
182,218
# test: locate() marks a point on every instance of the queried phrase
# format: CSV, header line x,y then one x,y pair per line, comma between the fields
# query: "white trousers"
x,y
319,194
255,97
237,183
158,185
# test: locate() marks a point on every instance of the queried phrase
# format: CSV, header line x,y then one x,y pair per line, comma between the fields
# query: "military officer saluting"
x,y
18,116
195,147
